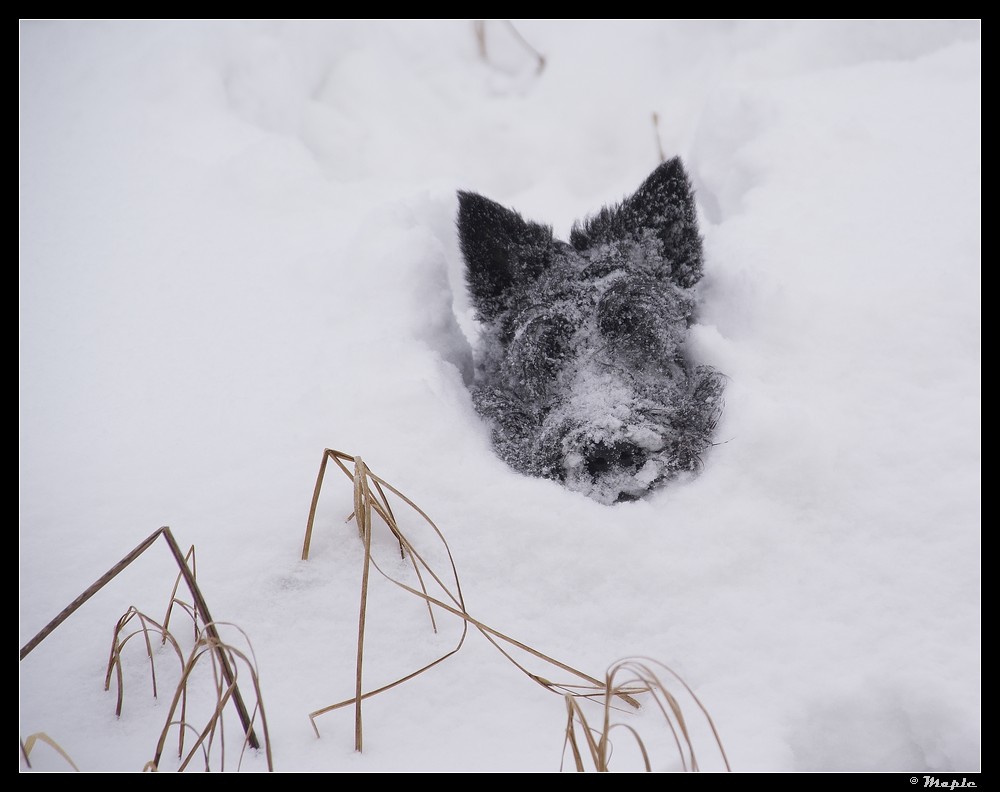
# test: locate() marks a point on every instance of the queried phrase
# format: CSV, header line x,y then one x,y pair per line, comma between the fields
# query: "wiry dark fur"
x,y
583,374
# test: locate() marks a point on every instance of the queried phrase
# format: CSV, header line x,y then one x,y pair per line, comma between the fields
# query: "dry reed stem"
x,y
363,515
641,674
182,725
192,610
221,655
118,644
524,42
479,31
391,522
656,133
644,667
365,501
28,745
200,606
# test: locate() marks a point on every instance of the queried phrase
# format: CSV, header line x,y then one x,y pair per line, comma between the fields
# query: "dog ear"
x,y
500,249
664,206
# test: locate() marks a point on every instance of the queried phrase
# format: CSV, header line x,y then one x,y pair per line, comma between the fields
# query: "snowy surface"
x,y
237,248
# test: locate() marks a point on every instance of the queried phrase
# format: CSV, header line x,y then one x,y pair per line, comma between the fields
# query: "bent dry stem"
x,y
223,655
370,497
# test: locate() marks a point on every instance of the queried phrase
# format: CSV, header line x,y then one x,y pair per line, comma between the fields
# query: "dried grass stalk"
x,y
118,643
221,655
656,133
370,497
524,43
479,31
28,745
191,562
632,673
199,607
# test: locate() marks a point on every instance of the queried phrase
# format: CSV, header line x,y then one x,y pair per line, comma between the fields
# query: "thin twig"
x,y
365,501
199,601
479,30
527,46
28,745
656,134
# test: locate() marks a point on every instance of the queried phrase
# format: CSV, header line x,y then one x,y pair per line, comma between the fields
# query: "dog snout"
x,y
603,458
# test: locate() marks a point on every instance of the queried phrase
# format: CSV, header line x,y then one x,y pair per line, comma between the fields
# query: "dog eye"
x,y
643,317
619,319
546,343
553,339
539,352
621,315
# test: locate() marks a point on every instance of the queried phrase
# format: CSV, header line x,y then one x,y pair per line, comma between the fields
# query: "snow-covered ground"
x,y
237,248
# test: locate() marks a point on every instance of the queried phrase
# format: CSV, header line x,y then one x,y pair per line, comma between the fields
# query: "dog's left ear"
x,y
664,206
500,248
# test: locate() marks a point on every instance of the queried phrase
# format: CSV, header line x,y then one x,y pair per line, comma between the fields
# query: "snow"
x,y
237,248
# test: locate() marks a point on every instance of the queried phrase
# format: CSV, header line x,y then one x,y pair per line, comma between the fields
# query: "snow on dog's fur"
x,y
583,374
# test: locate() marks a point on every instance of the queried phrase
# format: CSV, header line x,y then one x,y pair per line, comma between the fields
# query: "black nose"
x,y
602,458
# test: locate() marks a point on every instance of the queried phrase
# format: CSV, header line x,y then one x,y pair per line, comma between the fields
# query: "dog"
x,y
582,374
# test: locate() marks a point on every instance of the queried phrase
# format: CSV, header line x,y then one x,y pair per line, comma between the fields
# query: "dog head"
x,y
582,371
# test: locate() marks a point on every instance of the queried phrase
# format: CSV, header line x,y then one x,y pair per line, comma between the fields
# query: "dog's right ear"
x,y
664,206
500,249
